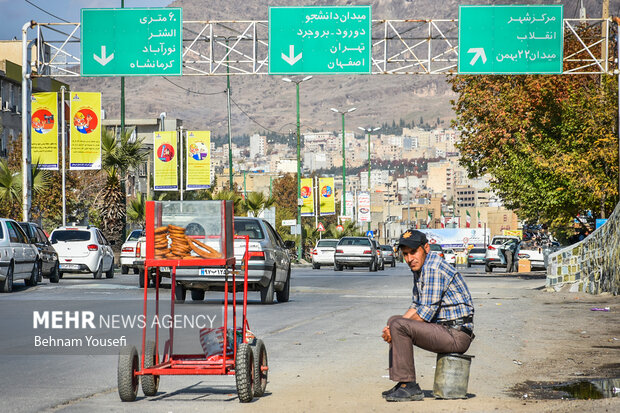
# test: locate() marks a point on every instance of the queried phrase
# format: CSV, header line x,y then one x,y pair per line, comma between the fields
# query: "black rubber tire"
x,y
468,265
337,267
34,275
179,294
127,381
55,275
316,266
260,360
488,268
7,284
124,269
150,383
373,266
110,272
136,270
141,279
97,274
198,294
266,293
60,274
284,295
393,264
382,268
244,373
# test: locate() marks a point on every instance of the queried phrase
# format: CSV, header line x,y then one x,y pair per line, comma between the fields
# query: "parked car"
x,y
18,257
138,264
380,261
269,271
48,258
388,255
323,253
438,249
355,252
128,251
534,254
83,250
492,259
450,256
476,256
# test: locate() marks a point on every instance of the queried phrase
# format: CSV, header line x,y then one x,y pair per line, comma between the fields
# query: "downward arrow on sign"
x,y
479,52
291,59
103,60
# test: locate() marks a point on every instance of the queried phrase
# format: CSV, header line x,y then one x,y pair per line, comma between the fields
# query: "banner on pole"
x,y
326,193
198,160
363,206
44,130
350,203
85,135
165,161
307,195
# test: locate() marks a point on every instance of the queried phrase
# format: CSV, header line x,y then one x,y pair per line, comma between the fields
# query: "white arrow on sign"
x,y
103,60
479,52
291,59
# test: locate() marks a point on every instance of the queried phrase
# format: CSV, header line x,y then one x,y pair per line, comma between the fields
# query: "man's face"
x,y
415,259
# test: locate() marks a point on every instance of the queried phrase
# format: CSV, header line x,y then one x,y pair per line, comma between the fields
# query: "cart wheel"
x,y
150,383
126,377
179,294
244,373
260,368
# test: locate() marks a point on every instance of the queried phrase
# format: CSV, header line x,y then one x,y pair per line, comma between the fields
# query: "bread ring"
x,y
191,257
204,246
161,245
203,253
161,230
174,228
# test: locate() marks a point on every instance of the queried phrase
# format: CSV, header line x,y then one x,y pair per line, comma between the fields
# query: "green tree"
x,y
136,210
10,191
285,196
257,202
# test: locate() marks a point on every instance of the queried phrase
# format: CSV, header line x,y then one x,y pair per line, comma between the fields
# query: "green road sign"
x,y
132,42
320,40
510,39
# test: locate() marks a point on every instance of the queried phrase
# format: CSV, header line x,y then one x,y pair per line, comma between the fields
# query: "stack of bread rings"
x,y
181,246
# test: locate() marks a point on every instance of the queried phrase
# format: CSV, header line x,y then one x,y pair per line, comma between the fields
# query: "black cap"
x,y
413,239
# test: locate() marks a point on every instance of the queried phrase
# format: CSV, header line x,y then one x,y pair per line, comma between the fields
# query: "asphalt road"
x,y
332,320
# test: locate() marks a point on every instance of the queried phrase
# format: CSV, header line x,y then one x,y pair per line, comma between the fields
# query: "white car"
x,y
323,253
450,256
128,251
83,250
18,257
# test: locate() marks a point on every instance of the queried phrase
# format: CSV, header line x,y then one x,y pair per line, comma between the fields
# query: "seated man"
x,y
440,318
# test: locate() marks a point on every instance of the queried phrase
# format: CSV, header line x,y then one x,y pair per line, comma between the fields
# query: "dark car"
x,y
476,256
48,258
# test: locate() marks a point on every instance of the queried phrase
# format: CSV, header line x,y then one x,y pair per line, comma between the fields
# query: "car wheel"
x,y
244,373
110,272
261,367
136,270
150,383
179,293
316,266
373,266
55,275
266,293
7,284
34,275
393,263
197,294
488,268
60,274
283,296
469,265
127,380
382,266
141,279
337,267
124,269
97,274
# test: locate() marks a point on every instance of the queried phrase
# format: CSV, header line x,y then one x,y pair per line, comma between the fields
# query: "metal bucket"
x,y
451,376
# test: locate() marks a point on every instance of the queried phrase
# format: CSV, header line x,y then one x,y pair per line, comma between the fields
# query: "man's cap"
x,y
412,239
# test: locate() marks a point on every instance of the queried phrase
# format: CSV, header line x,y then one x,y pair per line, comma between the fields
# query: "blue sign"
x,y
370,234
600,222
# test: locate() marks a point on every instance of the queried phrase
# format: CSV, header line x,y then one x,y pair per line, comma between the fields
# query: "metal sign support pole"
x,y
63,149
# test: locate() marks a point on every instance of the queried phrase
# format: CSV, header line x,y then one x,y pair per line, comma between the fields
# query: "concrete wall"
x,y
591,265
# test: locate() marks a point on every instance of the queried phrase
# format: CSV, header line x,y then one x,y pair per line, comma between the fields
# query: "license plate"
x,y
212,271
69,266
165,269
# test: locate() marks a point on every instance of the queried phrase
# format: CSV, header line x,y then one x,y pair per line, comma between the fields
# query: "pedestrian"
x,y
440,318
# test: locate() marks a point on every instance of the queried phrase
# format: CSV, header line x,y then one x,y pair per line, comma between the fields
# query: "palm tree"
x,y
228,195
10,190
136,210
257,202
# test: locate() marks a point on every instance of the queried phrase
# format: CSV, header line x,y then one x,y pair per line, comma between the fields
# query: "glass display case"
x,y
186,231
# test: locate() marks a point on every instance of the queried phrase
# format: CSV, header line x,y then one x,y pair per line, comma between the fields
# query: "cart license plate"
x,y
213,271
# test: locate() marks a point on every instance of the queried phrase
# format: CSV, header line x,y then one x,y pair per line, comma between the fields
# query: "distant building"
x,y
258,146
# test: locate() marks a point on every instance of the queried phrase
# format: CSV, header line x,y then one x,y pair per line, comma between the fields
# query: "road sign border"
x,y
320,73
461,54
180,73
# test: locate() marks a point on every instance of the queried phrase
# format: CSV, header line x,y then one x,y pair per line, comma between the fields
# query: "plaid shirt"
x,y
440,292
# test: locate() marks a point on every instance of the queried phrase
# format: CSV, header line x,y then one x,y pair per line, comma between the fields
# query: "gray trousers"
x,y
428,336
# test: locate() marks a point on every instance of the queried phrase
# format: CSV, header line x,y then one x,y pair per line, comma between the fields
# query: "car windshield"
x,y
499,241
327,243
70,236
477,251
386,248
135,235
249,227
436,247
355,241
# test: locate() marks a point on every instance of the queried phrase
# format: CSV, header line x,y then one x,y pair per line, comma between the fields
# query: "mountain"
x,y
265,103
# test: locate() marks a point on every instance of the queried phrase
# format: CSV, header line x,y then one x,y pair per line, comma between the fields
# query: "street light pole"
x,y
300,244
368,130
344,168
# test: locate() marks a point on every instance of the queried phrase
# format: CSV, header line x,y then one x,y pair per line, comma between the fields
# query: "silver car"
x,y
18,257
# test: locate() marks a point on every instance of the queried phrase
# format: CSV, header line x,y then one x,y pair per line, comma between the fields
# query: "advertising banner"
x,y
85,135
44,130
165,161
455,237
307,194
363,206
198,160
326,193
350,203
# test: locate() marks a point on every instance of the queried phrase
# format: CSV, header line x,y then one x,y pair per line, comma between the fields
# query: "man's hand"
x,y
387,337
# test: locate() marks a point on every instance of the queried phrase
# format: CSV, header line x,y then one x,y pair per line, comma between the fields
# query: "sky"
x,y
15,13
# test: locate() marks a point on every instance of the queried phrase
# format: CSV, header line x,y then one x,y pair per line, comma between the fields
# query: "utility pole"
x,y
344,168
122,91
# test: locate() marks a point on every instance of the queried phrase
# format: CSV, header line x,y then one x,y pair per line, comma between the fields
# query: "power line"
x,y
252,119
192,91
46,12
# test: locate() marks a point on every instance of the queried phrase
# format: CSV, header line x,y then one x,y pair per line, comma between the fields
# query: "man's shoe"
x,y
392,390
406,392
